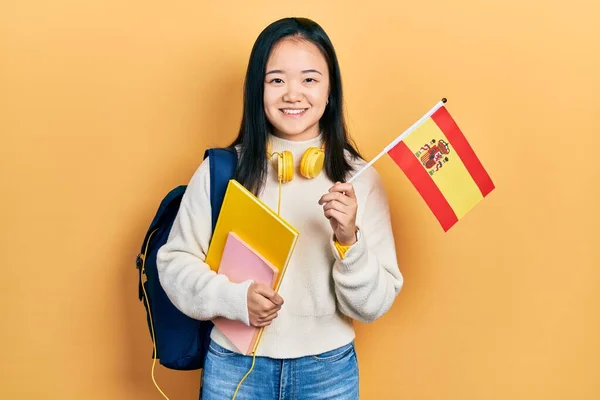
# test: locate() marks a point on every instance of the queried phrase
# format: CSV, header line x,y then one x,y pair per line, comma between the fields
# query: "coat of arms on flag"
x,y
433,155
440,163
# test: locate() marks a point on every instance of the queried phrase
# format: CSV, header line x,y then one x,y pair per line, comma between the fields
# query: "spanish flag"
x,y
440,163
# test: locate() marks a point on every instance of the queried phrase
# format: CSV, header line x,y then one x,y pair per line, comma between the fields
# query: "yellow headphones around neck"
x,y
311,163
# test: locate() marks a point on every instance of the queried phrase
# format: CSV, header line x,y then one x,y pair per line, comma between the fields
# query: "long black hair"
x,y
255,127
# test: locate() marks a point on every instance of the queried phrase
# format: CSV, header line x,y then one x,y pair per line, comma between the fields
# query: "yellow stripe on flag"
x,y
453,179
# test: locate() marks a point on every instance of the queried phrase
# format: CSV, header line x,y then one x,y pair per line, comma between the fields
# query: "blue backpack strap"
x,y
223,163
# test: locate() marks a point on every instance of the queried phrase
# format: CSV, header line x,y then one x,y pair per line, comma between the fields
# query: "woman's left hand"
x,y
339,206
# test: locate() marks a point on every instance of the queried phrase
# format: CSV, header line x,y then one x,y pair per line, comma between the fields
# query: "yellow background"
x,y
106,105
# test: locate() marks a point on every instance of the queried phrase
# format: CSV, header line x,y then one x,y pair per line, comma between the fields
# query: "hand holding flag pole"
x,y
440,163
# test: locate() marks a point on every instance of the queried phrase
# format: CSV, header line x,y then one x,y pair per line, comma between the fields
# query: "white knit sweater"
x,y
322,292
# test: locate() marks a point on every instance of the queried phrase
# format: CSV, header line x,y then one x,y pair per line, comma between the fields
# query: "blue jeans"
x,y
330,375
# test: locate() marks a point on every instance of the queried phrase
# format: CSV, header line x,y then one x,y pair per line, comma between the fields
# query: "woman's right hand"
x,y
263,304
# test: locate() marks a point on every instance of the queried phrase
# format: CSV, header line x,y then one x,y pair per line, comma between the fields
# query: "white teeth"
x,y
293,112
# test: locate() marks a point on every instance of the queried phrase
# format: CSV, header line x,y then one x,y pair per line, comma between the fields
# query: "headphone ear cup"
x,y
285,167
312,162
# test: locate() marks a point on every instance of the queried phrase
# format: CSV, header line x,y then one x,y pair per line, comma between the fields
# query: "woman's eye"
x,y
276,80
310,80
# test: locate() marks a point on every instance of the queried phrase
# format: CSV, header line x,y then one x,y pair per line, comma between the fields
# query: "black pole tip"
x,y
444,100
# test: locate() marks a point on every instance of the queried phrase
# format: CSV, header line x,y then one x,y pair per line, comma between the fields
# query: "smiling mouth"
x,y
293,111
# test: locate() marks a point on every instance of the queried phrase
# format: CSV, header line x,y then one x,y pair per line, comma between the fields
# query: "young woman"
x,y
344,266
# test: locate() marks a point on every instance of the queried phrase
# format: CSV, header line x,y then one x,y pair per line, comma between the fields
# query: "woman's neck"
x,y
308,134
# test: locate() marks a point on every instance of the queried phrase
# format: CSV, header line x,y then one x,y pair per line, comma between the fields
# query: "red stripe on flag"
x,y
419,177
444,121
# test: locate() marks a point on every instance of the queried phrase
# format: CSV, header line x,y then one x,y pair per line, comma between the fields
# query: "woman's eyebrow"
x,y
306,71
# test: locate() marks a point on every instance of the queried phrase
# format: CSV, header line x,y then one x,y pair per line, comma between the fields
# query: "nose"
x,y
293,93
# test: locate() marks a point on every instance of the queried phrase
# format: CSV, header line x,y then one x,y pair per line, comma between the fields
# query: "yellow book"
x,y
257,225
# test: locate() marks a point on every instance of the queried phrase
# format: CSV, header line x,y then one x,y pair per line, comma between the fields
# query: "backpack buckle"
x,y
139,261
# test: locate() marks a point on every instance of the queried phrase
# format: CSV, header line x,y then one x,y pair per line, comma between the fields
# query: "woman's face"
x,y
296,89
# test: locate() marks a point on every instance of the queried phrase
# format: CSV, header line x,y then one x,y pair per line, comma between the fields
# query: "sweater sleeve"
x,y
188,281
367,278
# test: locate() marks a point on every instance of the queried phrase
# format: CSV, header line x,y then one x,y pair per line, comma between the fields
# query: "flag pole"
x,y
399,138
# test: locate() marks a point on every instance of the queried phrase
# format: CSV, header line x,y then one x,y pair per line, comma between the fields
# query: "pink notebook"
x,y
241,263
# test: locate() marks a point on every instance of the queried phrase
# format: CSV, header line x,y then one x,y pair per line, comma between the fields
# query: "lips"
x,y
293,112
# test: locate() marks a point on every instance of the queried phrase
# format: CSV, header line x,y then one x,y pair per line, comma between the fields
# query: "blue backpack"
x,y
181,342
